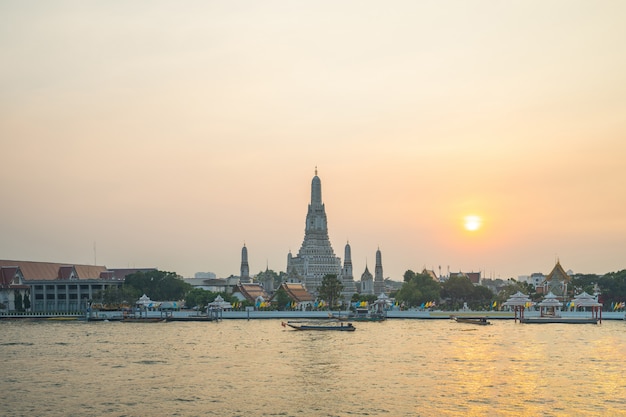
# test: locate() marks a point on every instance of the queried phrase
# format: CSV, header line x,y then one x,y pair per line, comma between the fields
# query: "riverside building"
x,y
55,287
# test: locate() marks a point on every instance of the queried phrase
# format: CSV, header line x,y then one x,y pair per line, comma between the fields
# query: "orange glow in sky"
x,y
167,136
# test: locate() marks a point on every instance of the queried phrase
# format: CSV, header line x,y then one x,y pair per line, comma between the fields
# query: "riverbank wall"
x,y
299,315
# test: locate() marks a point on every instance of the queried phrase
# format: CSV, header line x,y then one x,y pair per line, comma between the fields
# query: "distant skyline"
x,y
168,134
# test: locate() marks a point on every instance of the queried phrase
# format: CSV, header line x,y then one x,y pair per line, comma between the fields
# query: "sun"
x,y
472,223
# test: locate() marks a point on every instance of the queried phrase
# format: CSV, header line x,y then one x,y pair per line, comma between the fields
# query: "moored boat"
x,y
481,321
144,320
330,326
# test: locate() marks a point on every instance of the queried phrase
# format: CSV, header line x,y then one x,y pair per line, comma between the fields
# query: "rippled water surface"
x,y
257,367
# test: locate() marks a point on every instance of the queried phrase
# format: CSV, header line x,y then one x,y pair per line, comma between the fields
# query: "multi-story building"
x,y
56,287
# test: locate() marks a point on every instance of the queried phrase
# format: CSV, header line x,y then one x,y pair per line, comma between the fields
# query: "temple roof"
x,y
558,273
251,291
367,275
297,292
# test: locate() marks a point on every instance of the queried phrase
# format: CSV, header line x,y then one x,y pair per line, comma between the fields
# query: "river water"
x,y
258,367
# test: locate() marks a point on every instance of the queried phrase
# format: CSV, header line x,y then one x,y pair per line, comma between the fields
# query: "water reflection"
x,y
399,368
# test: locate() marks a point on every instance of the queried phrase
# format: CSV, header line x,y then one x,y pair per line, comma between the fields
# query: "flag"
x,y
495,304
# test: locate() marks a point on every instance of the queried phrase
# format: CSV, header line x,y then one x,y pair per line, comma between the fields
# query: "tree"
x,y
199,297
410,294
409,275
512,287
613,287
418,289
282,299
18,301
457,288
585,282
481,297
114,295
26,302
159,285
330,290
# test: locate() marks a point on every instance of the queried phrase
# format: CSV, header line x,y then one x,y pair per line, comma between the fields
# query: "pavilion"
x,y
585,300
519,302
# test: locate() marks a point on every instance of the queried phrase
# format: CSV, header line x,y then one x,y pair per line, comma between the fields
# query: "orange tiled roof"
x,y
51,270
297,292
6,276
252,291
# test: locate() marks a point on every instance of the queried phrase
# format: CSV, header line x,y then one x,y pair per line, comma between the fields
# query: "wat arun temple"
x,y
316,257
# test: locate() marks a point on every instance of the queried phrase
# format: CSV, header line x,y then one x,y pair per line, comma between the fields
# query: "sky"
x,y
169,134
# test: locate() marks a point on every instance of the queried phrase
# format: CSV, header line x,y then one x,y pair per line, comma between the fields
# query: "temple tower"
x,y
347,277
379,280
367,282
244,274
316,257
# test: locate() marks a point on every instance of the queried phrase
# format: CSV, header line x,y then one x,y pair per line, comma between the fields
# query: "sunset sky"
x,y
168,134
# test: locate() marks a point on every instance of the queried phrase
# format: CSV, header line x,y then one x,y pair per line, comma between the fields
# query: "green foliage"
x,y
200,298
585,282
513,287
458,289
481,298
159,285
281,299
357,298
118,295
330,290
26,301
409,275
612,287
418,289
18,301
